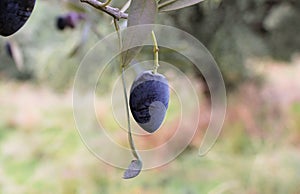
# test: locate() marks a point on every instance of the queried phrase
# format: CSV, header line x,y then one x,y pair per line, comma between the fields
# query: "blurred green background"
x,y
256,44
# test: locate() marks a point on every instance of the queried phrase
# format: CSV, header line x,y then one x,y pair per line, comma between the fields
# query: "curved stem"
x,y
130,139
106,3
155,52
117,27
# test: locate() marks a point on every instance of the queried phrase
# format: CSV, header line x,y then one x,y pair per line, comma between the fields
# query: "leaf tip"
x,y
133,169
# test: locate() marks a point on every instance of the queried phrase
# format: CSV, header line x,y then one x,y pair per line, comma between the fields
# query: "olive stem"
x,y
117,27
155,52
130,138
106,3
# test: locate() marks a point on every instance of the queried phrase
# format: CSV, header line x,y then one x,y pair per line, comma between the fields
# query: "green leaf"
x,y
133,170
170,5
16,54
83,40
125,6
140,12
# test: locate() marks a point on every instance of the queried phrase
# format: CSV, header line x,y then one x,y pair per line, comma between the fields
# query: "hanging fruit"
x,y
14,14
149,99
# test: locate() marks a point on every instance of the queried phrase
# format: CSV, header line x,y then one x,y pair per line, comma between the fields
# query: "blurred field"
x,y
258,151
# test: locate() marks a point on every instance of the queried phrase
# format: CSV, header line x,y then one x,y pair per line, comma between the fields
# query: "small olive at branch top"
x,y
149,100
69,20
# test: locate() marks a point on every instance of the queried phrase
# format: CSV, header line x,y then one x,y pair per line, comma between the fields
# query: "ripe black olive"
x,y
149,99
14,14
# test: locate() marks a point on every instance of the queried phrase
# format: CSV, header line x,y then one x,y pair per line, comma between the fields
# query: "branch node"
x,y
112,11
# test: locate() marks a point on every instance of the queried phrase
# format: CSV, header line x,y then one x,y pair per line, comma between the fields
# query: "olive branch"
x,y
112,11
138,15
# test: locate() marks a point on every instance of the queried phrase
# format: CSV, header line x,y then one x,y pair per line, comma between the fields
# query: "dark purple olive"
x,y
69,20
14,14
60,23
149,99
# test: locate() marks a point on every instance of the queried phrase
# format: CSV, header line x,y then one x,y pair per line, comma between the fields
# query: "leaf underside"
x,y
140,12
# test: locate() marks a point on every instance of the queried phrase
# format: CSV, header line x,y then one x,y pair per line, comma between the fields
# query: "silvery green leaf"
x,y
140,12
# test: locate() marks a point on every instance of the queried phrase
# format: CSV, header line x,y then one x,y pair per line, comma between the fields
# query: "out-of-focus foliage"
x,y
234,30
49,55
258,151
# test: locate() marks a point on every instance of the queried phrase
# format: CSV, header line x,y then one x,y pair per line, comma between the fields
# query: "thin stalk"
x,y
130,138
117,27
155,52
106,3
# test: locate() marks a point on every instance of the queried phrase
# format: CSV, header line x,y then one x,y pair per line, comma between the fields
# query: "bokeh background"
x,y
256,44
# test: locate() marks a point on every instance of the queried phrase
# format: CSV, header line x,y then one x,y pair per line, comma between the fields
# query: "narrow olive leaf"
x,y
125,6
83,40
133,170
16,54
75,50
140,12
170,5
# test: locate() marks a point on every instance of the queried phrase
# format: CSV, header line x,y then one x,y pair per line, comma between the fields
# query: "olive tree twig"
x,y
112,11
